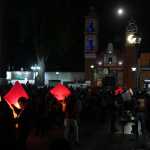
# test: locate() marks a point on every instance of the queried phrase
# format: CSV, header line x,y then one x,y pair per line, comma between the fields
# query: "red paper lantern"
x,y
60,92
15,93
119,90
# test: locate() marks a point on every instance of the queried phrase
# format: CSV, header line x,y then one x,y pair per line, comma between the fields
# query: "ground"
x,y
93,136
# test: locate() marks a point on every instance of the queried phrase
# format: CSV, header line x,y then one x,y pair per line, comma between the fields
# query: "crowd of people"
x,y
43,111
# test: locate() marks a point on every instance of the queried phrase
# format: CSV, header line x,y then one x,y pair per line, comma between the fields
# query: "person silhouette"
x,y
24,121
7,126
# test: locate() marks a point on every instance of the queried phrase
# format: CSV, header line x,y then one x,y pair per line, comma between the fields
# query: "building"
x,y
90,43
112,66
144,70
108,66
51,78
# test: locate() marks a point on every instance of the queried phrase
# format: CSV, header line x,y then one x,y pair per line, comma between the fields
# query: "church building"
x,y
110,66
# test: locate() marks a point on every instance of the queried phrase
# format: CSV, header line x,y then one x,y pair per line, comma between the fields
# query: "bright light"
x,y
120,11
131,39
36,74
35,67
57,73
120,63
26,79
99,63
92,66
8,74
133,68
38,68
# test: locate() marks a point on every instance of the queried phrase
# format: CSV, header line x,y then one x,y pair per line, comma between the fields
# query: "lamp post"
x,y
92,67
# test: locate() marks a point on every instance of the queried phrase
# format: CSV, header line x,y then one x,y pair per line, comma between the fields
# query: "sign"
x,y
22,75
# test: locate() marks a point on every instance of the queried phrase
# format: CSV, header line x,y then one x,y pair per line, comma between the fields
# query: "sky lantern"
x,y
119,90
60,92
15,93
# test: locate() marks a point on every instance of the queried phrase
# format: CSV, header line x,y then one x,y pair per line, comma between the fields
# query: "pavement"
x,y
93,136
86,130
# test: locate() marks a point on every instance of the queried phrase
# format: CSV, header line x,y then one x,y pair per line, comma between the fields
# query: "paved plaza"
x,y
93,136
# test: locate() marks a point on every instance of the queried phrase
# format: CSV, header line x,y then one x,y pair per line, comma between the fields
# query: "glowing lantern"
x,y
119,90
60,92
15,93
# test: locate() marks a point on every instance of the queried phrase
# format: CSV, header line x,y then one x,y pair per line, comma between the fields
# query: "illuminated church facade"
x,y
111,66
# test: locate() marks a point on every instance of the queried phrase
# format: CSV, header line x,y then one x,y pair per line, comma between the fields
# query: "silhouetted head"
x,y
22,101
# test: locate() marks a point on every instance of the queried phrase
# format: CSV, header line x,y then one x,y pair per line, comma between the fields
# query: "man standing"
x,y
71,119
140,110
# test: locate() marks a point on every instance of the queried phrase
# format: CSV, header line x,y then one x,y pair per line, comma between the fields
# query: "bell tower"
x,y
90,43
130,55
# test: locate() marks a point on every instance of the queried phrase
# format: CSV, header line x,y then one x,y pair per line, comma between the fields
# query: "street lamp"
x,y
57,73
92,66
133,69
120,63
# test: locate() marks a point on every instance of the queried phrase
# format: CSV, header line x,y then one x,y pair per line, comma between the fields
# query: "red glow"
x,y
60,92
15,93
119,90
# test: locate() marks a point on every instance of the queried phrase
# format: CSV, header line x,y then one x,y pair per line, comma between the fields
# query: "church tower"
x,y
90,43
130,55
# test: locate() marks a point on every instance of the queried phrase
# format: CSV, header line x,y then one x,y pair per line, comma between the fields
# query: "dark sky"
x,y
57,28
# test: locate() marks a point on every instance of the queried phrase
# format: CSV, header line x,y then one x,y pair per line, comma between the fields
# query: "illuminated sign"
x,y
20,75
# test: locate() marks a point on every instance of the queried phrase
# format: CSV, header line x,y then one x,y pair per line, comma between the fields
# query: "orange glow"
x,y
17,125
63,103
14,113
15,93
60,92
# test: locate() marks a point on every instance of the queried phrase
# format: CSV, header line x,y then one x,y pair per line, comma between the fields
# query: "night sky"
x,y
57,28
